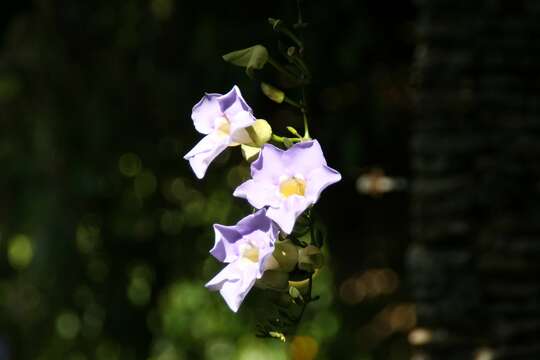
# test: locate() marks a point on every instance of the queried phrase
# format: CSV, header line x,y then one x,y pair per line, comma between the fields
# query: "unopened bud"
x,y
310,258
286,254
260,133
293,131
273,93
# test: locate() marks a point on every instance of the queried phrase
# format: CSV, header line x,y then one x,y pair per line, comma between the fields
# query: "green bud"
x,y
293,131
310,258
295,293
291,50
286,254
273,93
274,22
260,133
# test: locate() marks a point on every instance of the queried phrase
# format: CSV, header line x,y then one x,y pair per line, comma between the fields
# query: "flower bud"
x,y
310,258
260,133
286,254
273,93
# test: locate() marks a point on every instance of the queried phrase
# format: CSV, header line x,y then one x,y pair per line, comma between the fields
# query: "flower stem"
x,y
281,139
280,68
305,71
293,103
277,138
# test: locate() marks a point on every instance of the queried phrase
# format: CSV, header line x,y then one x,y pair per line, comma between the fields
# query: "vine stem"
x,y
300,24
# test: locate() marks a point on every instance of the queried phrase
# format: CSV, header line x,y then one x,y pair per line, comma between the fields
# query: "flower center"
x,y
251,253
223,126
292,186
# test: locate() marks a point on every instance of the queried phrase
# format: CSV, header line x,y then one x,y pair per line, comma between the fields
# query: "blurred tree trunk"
x,y
475,260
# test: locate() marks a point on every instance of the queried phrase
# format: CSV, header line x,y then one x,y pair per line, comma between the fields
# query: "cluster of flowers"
x,y
283,184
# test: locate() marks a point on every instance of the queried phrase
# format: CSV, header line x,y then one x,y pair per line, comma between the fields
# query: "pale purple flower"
x,y
246,247
287,181
223,119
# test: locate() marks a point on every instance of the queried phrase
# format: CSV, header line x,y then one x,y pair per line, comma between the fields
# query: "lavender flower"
x,y
223,119
246,247
288,182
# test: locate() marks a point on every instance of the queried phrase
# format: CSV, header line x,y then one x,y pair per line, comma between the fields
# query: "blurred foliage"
x,y
104,231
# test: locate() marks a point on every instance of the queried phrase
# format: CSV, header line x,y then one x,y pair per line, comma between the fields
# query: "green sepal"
x,y
288,142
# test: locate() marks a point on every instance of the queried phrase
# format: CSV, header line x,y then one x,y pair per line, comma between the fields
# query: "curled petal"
x,y
233,102
224,245
257,221
205,152
256,228
205,112
234,282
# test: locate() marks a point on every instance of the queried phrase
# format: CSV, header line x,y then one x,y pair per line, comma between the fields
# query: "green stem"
x,y
293,103
300,21
304,114
278,26
281,139
280,68
305,71
277,138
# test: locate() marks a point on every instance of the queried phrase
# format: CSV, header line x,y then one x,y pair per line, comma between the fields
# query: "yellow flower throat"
x,y
292,186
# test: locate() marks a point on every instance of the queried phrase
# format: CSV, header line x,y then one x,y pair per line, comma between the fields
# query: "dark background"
x,y
104,230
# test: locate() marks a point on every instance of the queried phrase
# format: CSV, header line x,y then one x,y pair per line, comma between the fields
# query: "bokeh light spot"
x,y
145,184
162,9
178,188
172,222
87,238
10,87
129,164
68,325
304,348
20,251
139,288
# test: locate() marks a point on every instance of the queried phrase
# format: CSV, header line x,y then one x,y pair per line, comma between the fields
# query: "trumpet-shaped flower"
x,y
287,181
246,247
223,119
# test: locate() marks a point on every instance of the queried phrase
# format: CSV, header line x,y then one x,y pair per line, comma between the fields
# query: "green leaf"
x,y
252,58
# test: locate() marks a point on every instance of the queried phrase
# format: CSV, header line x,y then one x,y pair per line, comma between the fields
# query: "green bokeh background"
x,y
104,230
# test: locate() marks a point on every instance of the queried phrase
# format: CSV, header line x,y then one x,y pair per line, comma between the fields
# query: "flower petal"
x,y
286,214
258,193
269,165
205,112
234,282
318,180
303,157
225,237
233,101
205,152
257,229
